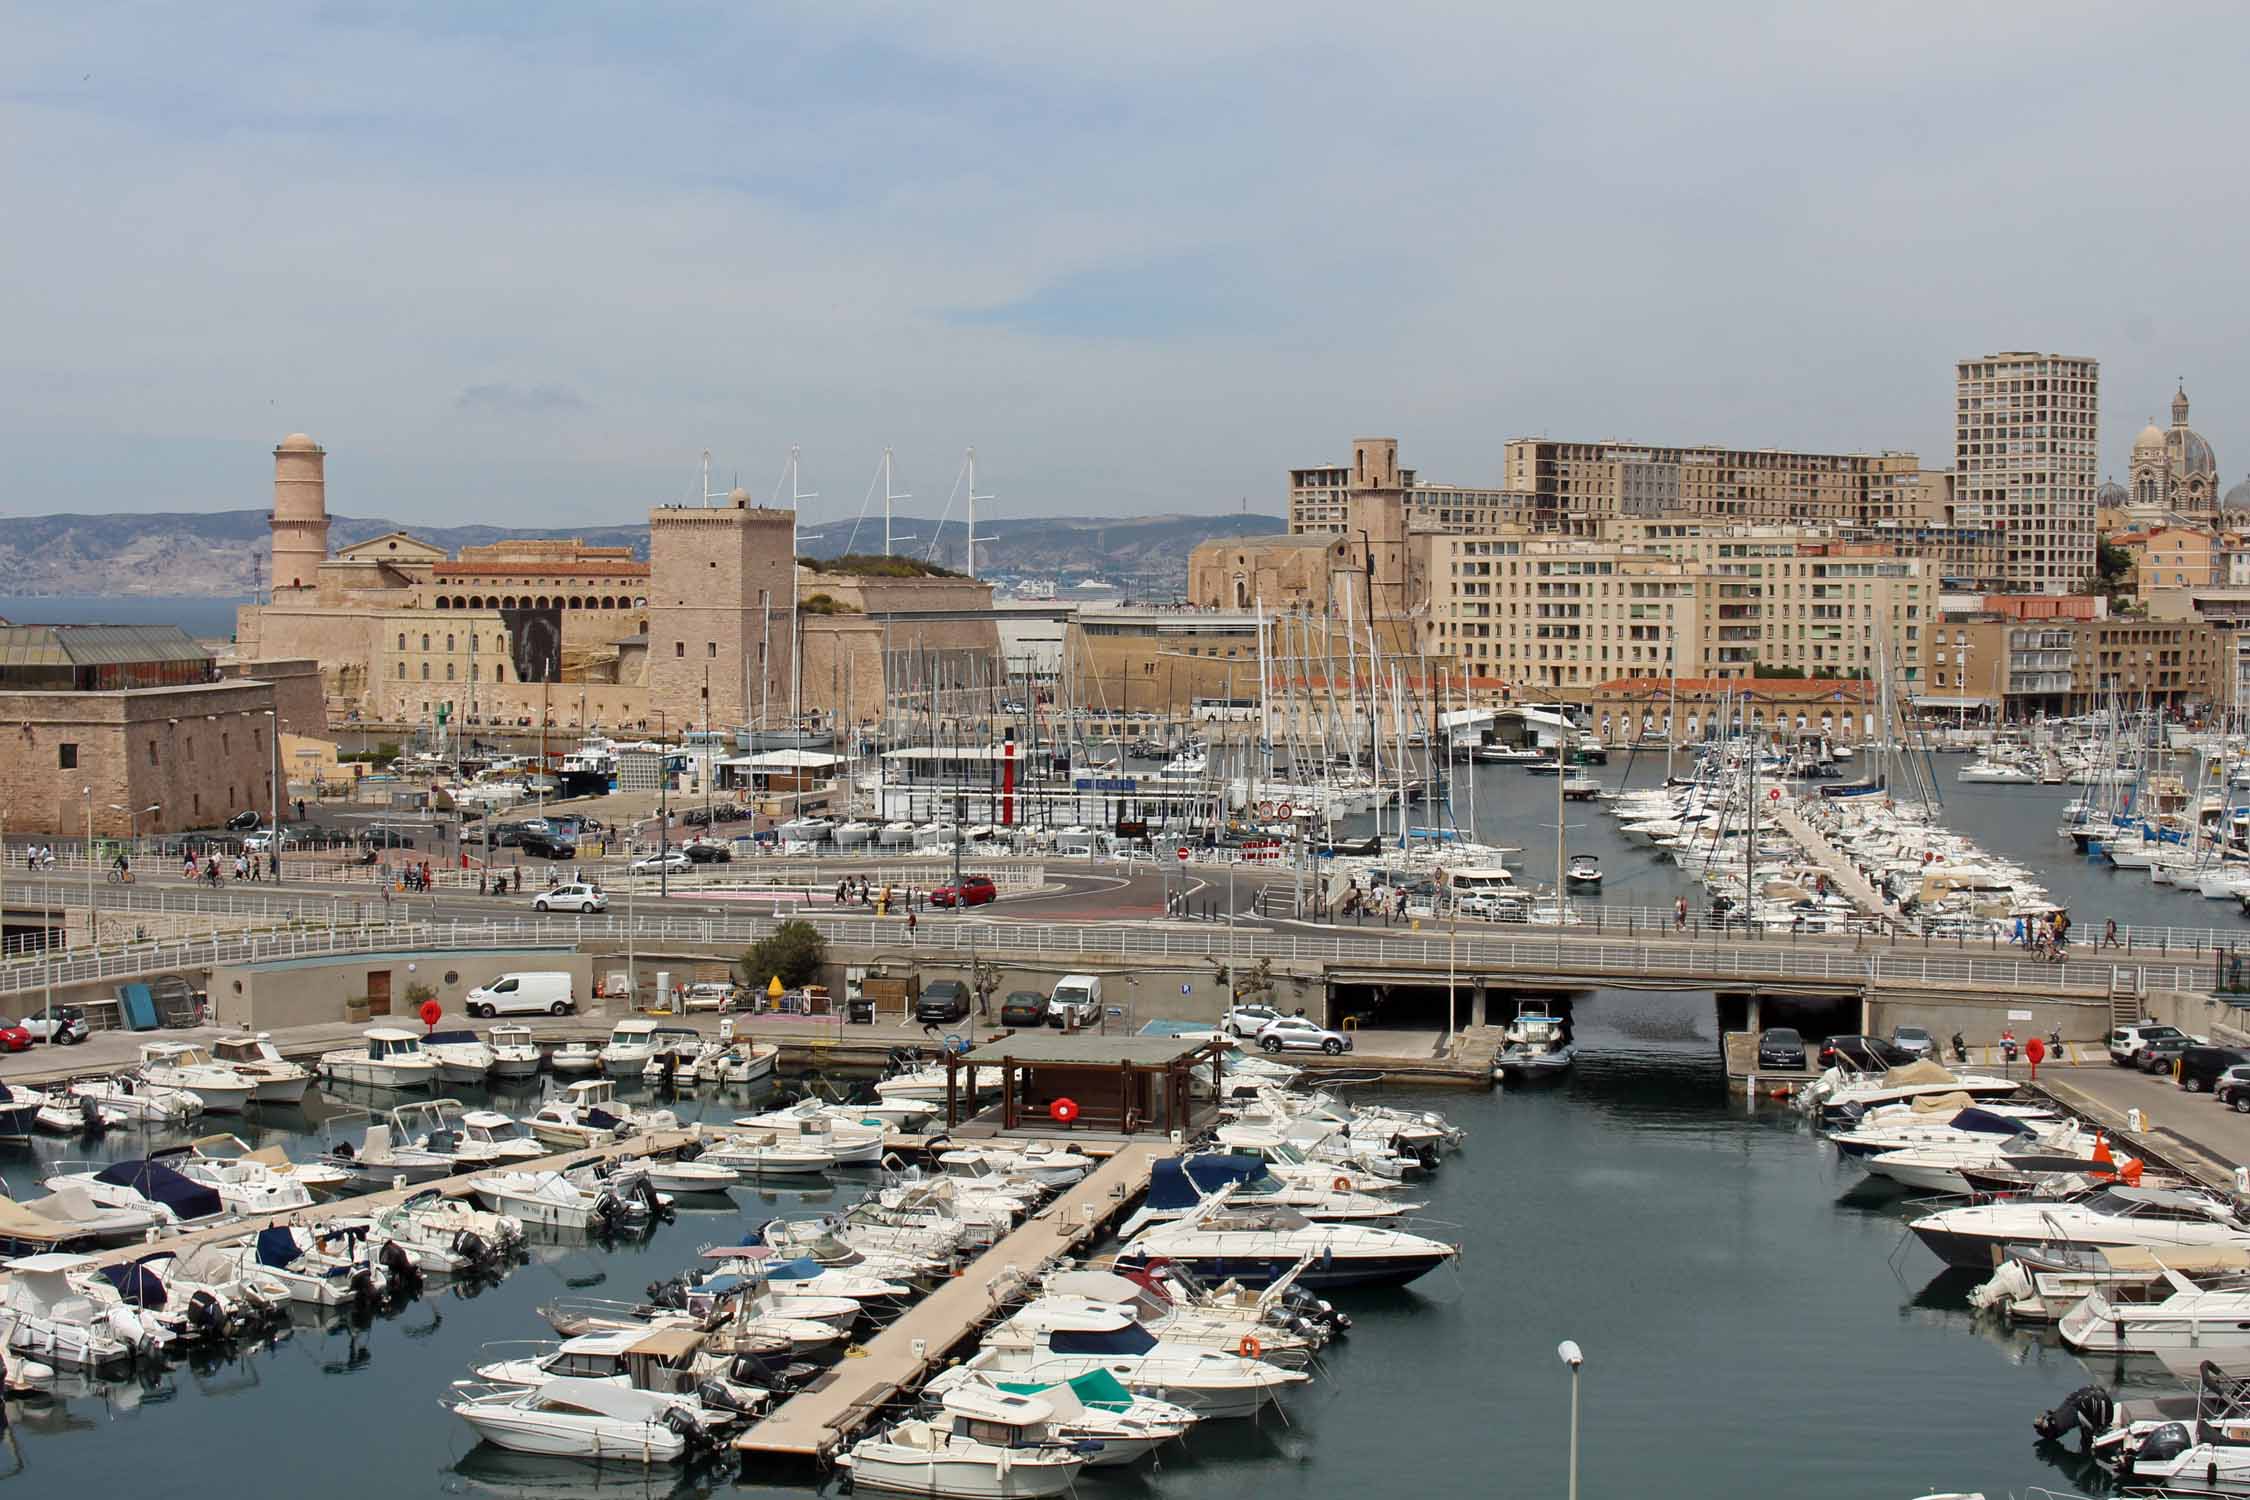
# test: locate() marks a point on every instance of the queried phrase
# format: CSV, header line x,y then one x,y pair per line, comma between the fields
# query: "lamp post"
x,y
1571,1356
134,815
663,806
273,786
89,864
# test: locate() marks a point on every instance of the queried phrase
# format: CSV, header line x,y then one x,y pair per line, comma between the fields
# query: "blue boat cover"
x,y
1173,1183
137,1284
160,1184
1986,1120
1131,1339
277,1247
803,1268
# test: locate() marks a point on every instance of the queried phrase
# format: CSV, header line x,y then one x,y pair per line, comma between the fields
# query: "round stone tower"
x,y
300,513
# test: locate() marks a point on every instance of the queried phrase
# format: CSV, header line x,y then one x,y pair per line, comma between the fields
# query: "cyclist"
x,y
120,868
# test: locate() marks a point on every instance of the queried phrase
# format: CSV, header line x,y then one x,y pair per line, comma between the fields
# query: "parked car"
x,y
538,993
2233,1088
2127,1040
242,822
1301,1034
672,861
942,1001
386,838
547,846
1248,1020
1869,1054
14,1038
2158,1053
1915,1041
974,890
571,898
1024,1008
1780,1047
713,853
66,1026
2202,1066
266,838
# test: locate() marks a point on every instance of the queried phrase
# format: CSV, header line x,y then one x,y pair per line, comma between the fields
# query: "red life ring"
x,y
1249,1348
1342,1184
1063,1111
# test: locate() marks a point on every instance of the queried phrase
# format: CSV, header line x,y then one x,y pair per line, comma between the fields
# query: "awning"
x,y
1953,701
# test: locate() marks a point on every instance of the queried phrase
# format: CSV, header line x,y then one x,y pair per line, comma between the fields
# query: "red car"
x,y
974,890
14,1038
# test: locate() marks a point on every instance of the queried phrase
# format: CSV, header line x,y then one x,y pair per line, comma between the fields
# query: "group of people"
x,y
856,890
211,870
39,857
414,876
2048,934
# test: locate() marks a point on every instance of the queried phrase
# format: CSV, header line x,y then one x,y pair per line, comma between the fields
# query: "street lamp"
x,y
90,925
1570,1355
134,814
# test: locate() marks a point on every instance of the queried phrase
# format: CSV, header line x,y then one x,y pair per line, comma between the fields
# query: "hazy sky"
x,y
521,263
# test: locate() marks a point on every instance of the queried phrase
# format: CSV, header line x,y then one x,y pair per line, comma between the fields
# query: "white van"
x,y
1077,1001
542,994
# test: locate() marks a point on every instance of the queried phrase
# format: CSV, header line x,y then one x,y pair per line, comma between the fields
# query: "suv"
x,y
1025,1008
1249,1020
2125,1041
974,890
547,846
2233,1088
1301,1034
946,1000
580,898
1781,1047
2201,1066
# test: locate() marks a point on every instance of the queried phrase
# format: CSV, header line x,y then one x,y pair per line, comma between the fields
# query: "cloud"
x,y
519,400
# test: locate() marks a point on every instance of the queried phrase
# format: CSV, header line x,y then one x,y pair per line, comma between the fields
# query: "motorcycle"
x,y
2008,1046
1960,1048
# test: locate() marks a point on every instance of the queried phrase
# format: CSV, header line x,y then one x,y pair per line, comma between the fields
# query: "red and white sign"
x,y
1183,853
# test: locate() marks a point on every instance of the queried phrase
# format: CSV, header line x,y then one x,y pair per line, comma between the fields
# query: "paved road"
x,y
2193,1128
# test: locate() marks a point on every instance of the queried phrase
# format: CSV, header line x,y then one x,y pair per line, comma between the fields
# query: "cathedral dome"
x,y
2190,453
2114,495
2152,436
2238,498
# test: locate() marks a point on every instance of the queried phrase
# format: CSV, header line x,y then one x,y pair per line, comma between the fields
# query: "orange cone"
x,y
2101,1150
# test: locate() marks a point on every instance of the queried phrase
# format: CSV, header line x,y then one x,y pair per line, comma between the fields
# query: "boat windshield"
x,y
497,1131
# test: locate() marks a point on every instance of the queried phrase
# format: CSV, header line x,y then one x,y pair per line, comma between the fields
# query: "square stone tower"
x,y
719,618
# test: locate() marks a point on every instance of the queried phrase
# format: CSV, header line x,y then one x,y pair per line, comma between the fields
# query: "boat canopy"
x,y
1130,1339
160,1184
1986,1120
1174,1183
137,1284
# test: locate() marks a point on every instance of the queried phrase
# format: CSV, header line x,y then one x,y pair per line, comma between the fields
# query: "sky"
x,y
522,264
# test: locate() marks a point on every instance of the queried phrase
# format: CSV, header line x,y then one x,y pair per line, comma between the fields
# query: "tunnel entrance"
x,y
1815,1017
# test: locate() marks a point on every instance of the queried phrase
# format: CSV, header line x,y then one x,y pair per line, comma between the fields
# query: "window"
x,y
152,752
402,671
679,648
402,640
425,671
66,757
425,643
226,743
449,671
449,643
711,648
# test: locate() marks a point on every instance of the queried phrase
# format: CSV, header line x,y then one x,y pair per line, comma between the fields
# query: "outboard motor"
x,y
90,1119
363,1286
404,1275
206,1318
717,1397
697,1437
645,1190
472,1248
2087,1411
2169,1441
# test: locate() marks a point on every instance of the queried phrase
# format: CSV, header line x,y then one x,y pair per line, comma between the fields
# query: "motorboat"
x,y
574,1059
1046,1165
556,1201
762,1154
2094,1218
490,1138
142,1184
1942,1166
320,1180
575,1417
68,1218
631,1044
1585,870
321,1268
2190,1442
1936,1118
45,1315
589,1113
197,1294
1179,1185
382,1159
138,1099
64,1113
246,1185
1839,1091
275,1079
387,1059
461,1056
1257,1243
1090,1408
926,1085
807,830
666,1361
1055,1338
1535,1045
681,1176
805,1276
1316,1147
738,1063
2206,1314
514,1053
184,1065
447,1236
1259,1329
727,1309
812,1127
852,833
2038,1284
986,1444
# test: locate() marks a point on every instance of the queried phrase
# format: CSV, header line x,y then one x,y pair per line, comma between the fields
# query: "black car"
x,y
946,1000
1780,1047
547,846
1024,1008
1869,1054
242,822
387,838
2200,1065
707,854
2157,1054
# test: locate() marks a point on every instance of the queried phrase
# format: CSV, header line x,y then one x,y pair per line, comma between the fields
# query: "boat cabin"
x,y
174,1055
245,1049
510,1036
1003,1419
488,1127
632,1034
384,1043
591,1093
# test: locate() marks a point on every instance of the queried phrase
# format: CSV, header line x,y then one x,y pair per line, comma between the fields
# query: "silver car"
x,y
1914,1039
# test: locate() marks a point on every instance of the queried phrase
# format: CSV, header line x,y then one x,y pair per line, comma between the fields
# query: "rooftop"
x,y
1051,1047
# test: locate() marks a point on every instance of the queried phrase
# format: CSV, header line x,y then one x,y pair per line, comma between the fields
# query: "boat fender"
x,y
1249,1348
1342,1184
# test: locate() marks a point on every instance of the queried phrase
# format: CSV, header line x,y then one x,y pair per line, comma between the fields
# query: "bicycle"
x,y
120,877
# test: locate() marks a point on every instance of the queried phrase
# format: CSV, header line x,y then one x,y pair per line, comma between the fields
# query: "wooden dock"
x,y
1832,862
814,1423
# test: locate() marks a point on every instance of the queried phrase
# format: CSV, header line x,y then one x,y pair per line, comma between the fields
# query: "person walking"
x,y
2109,934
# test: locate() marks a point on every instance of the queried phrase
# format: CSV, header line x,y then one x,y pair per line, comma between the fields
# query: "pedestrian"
x,y
2019,938
2109,933
1679,915
910,924
386,894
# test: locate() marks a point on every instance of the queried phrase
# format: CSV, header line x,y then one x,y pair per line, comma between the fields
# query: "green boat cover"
x,y
1096,1388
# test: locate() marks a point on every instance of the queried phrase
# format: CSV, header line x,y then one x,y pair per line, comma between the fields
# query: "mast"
x,y
974,497
797,499
1672,705
1562,770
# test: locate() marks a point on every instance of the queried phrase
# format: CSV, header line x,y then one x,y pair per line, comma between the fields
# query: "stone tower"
x,y
719,622
300,513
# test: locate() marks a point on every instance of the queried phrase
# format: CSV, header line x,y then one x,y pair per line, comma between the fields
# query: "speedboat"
x,y
2038,1284
1256,1244
197,1294
183,1065
143,1184
1899,1127
47,1316
332,1269
447,1236
666,1361
1015,1165
2206,1314
574,1417
994,1445
738,1062
1943,1166
138,1099
1179,1185
588,1113
2091,1218
461,1056
381,1158
766,1153
1535,1045
1090,1408
1585,870
275,1079
1055,1338
554,1200
514,1054
69,1219
388,1059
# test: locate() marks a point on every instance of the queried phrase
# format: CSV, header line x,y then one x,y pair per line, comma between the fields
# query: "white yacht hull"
x,y
910,1473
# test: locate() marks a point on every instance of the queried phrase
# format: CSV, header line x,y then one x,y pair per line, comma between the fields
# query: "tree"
x,y
2112,564
794,954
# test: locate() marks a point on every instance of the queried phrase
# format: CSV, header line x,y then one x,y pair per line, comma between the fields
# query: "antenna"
x,y
974,497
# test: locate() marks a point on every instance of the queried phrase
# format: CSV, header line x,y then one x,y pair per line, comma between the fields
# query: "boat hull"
x,y
1343,1271
908,1473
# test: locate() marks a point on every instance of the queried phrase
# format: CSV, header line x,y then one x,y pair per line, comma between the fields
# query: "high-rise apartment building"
x,y
2025,456
1583,488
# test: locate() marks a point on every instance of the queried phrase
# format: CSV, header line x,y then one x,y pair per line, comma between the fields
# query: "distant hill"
x,y
223,553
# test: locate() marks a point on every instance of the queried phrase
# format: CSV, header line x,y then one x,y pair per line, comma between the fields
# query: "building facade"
x,y
1320,498
2026,450
2173,470
1584,488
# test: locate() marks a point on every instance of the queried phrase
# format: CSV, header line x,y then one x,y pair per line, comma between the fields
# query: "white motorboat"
x,y
926,1085
1054,1338
1839,1093
2036,1284
697,1176
140,1100
490,1138
245,1184
1179,1185
142,1184
2093,1218
2206,1314
319,1179
387,1059
803,1276
1938,1119
573,1059
766,1153
198,1293
447,1236
382,1159
183,1065
1090,1408
1585,869
851,834
65,1113
461,1056
1256,1244
275,1078
69,1219
1043,1164
995,1445
574,1417
892,835
1535,1045
552,1199
1939,1166
631,1044
514,1053
1998,772
589,1113
667,1361
335,1269
812,1127
738,1063
46,1316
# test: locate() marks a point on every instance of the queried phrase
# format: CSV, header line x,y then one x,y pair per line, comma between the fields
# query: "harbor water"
x,y
1753,1317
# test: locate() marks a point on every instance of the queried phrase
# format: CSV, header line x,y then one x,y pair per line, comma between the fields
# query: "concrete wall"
x,y
270,996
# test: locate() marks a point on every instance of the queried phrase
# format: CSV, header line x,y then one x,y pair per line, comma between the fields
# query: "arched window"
x,y
474,671
425,671
443,602
609,601
449,643
402,640
449,671
425,641
402,671
499,672
576,602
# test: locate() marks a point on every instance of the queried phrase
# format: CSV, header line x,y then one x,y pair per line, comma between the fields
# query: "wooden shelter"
x,y
1121,1084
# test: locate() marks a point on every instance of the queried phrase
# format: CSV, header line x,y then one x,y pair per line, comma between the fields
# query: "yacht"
x,y
388,1059
461,1056
514,1053
986,1444
1256,1244
2094,1218
575,1417
275,1078
1178,1186
183,1065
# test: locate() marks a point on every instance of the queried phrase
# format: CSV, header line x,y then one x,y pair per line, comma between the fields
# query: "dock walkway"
x,y
815,1422
1832,861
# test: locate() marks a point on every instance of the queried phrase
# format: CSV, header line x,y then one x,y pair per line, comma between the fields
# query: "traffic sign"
x,y
1183,853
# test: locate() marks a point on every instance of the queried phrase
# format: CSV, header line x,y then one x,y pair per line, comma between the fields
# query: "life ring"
x,y
1249,1348
1342,1184
1063,1111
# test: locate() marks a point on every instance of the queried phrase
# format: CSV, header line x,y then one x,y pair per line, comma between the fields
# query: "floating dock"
x,y
818,1420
